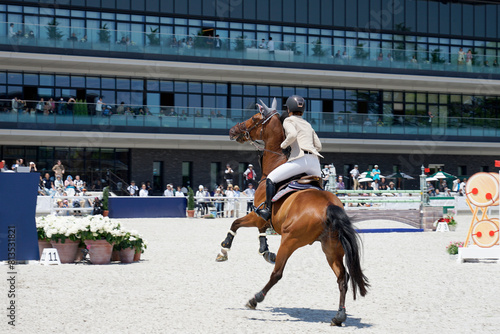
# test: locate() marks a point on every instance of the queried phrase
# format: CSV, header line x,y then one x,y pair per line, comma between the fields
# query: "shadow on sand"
x,y
312,315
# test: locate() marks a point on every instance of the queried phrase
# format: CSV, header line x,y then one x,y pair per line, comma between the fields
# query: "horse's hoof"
x,y
269,257
252,304
339,317
221,258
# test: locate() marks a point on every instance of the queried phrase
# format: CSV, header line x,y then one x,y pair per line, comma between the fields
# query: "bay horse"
x,y
301,218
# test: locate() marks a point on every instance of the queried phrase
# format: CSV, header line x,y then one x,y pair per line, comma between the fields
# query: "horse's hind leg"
x,y
250,220
288,246
334,255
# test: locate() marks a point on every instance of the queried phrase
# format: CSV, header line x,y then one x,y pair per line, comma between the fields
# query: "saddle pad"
x,y
291,187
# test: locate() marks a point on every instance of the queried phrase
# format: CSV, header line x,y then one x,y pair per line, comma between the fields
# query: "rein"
x,y
246,133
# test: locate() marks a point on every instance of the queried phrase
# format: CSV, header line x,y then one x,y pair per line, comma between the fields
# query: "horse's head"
x,y
251,129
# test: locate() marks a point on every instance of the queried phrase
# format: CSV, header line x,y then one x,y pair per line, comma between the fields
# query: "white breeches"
x,y
308,164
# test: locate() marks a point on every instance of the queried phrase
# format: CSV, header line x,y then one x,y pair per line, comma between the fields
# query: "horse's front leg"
x,y
264,247
250,220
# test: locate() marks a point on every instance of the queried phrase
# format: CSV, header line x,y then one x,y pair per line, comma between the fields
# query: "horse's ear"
x,y
266,110
274,105
261,108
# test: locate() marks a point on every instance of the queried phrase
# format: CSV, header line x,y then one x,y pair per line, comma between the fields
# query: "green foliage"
x,y
359,51
104,34
80,108
453,247
190,199
153,37
53,32
293,47
105,198
436,57
200,41
240,43
318,49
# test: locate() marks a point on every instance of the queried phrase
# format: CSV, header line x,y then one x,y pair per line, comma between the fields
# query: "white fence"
x,y
49,205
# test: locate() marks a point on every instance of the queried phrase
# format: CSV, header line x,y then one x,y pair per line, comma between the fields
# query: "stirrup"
x,y
264,213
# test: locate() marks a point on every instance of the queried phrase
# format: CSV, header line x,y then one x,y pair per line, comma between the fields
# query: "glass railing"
x,y
71,38
131,118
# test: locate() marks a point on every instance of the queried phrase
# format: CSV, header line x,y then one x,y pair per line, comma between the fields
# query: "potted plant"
x,y
104,34
53,32
105,201
153,37
64,234
450,220
43,241
453,247
190,203
100,234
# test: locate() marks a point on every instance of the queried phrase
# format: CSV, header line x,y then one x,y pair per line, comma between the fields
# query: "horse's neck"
x,y
273,138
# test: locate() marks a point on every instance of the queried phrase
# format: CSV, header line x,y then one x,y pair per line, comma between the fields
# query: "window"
x,y
187,173
462,170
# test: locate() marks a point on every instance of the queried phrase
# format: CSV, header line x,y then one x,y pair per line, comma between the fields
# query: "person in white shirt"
x,y
354,176
250,194
229,206
270,47
169,192
132,189
262,44
98,107
301,146
78,183
144,191
12,33
202,199
179,192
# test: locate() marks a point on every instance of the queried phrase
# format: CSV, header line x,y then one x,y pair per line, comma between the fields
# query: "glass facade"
x,y
91,164
208,99
429,30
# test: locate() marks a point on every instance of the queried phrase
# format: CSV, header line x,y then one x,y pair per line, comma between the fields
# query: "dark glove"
x,y
286,151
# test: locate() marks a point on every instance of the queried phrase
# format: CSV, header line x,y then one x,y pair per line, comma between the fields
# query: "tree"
x,y
153,36
104,34
53,32
240,43
360,53
436,57
318,49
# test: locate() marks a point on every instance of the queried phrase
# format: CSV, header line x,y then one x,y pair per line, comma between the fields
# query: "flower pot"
x,y
452,227
67,250
115,255
127,255
43,244
137,256
105,213
190,213
99,251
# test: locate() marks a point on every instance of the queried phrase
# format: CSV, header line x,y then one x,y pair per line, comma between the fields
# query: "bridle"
x,y
245,132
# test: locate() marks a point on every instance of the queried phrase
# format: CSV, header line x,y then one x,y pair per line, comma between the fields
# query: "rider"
x,y
302,143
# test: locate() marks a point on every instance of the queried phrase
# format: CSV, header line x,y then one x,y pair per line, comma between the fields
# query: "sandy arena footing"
x,y
179,288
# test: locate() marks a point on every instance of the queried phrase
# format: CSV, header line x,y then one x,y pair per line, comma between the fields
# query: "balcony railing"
x,y
69,39
83,116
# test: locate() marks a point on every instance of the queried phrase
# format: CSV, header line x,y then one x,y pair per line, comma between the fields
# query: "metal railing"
x,y
67,39
131,118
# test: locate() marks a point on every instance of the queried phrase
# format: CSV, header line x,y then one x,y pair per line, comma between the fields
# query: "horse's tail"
x,y
338,221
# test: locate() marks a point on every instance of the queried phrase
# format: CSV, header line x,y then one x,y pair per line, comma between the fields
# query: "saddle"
x,y
296,183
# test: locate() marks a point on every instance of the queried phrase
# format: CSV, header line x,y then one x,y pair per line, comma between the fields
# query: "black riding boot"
x,y
265,212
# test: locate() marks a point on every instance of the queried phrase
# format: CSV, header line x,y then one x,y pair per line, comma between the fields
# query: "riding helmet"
x,y
296,103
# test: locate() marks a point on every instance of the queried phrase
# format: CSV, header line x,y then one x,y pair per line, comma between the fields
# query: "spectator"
x,y
340,183
250,194
78,183
149,188
430,189
326,176
382,184
218,202
15,104
144,191
132,189
70,185
461,56
121,108
73,38
169,192
262,44
217,42
228,175
58,183
468,60
12,32
463,184
58,169
40,106
375,173
33,167
179,192
249,175
270,47
4,166
392,186
229,206
60,106
99,105
83,39
201,199
354,177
